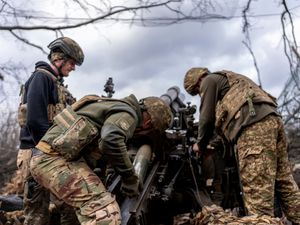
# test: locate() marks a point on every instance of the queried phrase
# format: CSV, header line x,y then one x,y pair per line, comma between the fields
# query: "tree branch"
x,y
247,42
27,42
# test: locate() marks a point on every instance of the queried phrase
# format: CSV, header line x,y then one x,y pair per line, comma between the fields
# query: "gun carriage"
x,y
171,173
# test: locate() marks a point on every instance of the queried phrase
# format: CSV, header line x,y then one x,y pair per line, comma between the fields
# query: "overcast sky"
x,y
147,61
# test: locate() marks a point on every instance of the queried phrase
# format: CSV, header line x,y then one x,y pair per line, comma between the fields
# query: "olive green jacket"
x,y
116,121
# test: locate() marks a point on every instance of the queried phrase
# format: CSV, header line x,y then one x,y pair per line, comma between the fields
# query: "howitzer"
x,y
173,183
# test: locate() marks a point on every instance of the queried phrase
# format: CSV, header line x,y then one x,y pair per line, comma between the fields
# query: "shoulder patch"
x,y
124,124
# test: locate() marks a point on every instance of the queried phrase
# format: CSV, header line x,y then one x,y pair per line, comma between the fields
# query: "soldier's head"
x,y
64,54
193,78
157,114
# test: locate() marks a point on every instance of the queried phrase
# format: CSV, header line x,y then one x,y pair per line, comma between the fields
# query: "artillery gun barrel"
x,y
174,98
175,106
142,160
171,94
130,207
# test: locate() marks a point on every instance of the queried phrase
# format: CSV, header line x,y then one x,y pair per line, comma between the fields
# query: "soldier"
x,y
43,96
246,116
92,129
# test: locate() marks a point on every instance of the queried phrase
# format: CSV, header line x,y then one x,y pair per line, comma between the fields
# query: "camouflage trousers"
x,y
78,186
36,198
264,168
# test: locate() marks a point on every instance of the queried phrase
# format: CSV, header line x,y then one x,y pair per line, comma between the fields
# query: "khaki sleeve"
x,y
209,97
116,130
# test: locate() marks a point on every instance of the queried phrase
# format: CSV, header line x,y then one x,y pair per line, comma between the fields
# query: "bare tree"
x,y
290,95
247,41
10,75
9,132
18,19
289,99
136,12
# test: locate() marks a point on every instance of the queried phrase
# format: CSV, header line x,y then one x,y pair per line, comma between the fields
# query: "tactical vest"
x,y
242,90
72,132
64,98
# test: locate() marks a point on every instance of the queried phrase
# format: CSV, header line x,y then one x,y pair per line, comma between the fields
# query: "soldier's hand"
x,y
130,186
196,149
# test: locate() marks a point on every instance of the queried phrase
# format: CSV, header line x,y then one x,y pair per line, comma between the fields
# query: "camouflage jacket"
x,y
214,89
242,91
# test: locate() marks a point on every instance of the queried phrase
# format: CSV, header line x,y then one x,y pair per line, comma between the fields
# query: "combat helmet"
x,y
192,77
159,111
69,47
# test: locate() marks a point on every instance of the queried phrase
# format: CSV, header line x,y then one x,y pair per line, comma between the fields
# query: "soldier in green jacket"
x,y
246,117
93,128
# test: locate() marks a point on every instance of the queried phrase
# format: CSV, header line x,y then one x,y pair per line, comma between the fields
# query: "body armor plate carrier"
x,y
242,90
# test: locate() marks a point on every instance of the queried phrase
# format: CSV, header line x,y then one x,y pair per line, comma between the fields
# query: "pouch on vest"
x,y
221,115
84,101
22,112
22,109
78,131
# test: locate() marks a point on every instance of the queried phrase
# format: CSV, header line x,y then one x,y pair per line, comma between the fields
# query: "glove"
x,y
130,186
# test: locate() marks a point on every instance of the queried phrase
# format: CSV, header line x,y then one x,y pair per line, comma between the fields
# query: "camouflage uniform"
x,y
246,116
77,185
43,96
263,162
36,198
64,170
